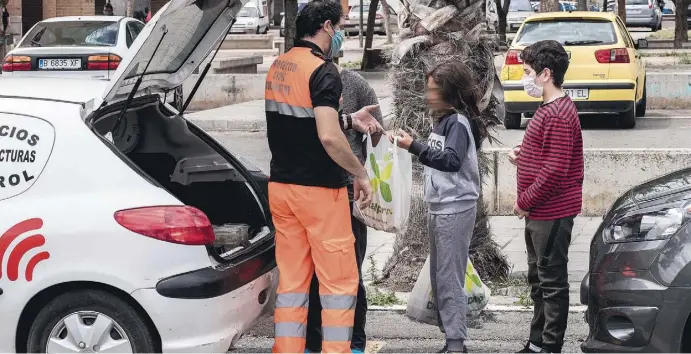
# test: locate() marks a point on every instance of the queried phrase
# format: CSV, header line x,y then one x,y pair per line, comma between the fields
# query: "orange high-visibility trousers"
x,y
313,233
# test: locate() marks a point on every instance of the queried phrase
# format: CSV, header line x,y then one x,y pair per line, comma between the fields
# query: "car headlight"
x,y
251,23
656,223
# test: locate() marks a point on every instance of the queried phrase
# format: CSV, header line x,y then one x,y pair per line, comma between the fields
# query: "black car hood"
x,y
656,189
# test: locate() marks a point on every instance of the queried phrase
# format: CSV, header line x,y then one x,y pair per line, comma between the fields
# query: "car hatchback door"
x,y
640,9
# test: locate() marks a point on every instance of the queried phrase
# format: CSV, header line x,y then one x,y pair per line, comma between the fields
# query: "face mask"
x,y
336,42
531,87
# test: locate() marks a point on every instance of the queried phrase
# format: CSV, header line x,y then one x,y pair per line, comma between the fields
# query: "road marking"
x,y
374,347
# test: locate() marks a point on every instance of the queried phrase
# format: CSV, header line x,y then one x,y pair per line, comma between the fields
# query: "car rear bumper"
x,y
630,312
243,29
607,97
640,21
210,325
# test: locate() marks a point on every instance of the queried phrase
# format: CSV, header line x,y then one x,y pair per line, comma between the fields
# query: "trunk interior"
x,y
164,148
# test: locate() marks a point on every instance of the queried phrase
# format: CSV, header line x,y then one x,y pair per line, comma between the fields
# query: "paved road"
x,y
498,332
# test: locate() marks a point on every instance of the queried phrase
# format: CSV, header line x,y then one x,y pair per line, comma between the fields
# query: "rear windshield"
x,y
73,34
637,2
568,32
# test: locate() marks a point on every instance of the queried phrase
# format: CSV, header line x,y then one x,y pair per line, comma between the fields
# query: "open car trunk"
x,y
187,163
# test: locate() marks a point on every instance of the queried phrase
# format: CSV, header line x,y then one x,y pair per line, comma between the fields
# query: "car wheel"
x,y
512,120
258,30
178,99
641,106
280,33
627,120
89,321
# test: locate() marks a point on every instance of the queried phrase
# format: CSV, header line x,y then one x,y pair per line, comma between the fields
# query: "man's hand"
x,y
519,212
363,192
404,139
514,154
364,121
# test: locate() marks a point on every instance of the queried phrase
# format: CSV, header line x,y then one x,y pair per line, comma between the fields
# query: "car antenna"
x,y
130,97
204,72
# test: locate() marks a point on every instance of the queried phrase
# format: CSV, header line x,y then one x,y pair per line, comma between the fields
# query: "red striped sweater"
x,y
550,167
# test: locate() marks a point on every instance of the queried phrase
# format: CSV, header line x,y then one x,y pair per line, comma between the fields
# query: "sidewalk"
x,y
508,233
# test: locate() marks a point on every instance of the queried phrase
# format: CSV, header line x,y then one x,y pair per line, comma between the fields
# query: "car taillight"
x,y
103,62
177,224
16,63
513,57
612,56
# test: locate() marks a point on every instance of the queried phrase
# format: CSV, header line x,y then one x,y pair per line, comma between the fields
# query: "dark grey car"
x,y
638,288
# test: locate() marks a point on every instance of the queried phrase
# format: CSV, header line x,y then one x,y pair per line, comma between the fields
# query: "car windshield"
x,y
519,5
637,2
248,12
73,34
568,32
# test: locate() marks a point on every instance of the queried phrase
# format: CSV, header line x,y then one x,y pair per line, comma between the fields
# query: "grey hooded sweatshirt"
x,y
452,177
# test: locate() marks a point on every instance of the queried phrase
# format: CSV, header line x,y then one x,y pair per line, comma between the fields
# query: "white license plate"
x,y
59,64
577,94
633,11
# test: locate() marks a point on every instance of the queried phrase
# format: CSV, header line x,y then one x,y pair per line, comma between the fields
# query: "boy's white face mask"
x,y
531,87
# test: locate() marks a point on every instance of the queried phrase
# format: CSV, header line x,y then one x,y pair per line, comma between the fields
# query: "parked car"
x,y
89,47
251,20
125,227
643,13
282,32
352,20
639,278
606,74
519,10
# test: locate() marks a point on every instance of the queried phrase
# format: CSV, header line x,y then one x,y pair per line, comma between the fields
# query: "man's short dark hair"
x,y
312,17
547,55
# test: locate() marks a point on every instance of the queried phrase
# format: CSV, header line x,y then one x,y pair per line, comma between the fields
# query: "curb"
x,y
490,307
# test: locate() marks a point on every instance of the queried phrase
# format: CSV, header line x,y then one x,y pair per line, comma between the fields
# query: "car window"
x,y
518,5
27,145
573,31
133,30
637,2
625,34
73,34
249,12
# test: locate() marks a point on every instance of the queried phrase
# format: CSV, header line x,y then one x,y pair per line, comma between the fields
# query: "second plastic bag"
x,y
390,170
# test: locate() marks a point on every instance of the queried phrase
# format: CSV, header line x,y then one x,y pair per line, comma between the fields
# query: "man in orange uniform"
x,y
307,189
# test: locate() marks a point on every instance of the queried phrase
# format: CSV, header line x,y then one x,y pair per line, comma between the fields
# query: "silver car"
x,y
519,10
643,13
352,22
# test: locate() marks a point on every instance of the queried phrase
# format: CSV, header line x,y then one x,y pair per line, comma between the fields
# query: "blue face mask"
x,y
336,42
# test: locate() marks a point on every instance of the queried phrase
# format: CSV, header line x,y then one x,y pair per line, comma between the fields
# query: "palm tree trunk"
x,y
387,21
291,14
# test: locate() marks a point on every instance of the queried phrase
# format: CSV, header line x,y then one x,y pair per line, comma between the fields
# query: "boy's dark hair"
x,y
457,84
547,55
314,14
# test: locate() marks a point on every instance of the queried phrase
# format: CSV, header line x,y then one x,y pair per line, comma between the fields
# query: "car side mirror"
x,y
641,44
262,16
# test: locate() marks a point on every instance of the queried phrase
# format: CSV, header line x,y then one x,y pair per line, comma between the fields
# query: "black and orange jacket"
x,y
297,82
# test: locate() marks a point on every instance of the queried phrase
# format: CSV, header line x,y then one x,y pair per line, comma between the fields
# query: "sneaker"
x,y
446,350
357,351
531,348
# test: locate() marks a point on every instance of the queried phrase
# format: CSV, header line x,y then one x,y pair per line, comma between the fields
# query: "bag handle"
x,y
395,142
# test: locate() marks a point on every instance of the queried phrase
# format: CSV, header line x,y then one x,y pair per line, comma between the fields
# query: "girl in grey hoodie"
x,y
452,187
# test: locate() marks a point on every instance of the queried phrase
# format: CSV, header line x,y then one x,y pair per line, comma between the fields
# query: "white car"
x,y
73,47
77,47
125,227
251,20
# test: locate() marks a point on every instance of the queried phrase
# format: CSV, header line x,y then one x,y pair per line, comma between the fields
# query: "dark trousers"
x,y
548,243
314,317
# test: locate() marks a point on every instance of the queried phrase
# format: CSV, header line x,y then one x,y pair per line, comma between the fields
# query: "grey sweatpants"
x,y
449,237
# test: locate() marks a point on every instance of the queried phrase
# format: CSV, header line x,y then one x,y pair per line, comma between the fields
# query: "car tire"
x,y
641,106
178,98
258,32
512,120
627,120
86,306
280,33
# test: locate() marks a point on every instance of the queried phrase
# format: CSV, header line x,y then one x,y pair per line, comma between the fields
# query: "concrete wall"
x,y
608,174
669,90
224,89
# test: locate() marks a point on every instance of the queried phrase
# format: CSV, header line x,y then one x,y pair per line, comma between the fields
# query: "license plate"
x,y
633,11
59,64
577,94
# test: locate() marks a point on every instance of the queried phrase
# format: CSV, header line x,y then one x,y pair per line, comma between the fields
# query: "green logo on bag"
x,y
377,181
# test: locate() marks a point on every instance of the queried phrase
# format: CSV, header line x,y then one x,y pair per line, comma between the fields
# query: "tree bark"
x,y
502,11
604,6
387,22
582,5
680,25
371,16
549,5
621,10
291,14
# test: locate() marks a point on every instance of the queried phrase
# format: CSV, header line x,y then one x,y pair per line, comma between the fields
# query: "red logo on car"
x,y
21,248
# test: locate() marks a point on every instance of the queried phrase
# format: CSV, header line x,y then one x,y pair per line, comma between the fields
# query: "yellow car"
x,y
606,73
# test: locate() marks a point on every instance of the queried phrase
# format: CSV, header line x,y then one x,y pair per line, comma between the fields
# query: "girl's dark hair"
x,y
457,85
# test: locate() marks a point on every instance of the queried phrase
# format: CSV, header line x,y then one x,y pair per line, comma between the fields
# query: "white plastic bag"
x,y
390,170
421,304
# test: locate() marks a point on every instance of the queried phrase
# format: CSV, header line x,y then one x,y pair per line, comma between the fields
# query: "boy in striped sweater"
x,y
550,189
